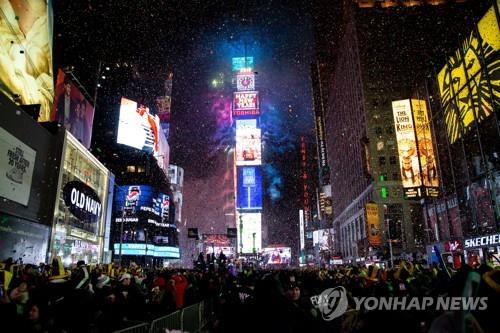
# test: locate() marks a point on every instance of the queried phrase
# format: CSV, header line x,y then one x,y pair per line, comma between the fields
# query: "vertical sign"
x,y
425,147
302,236
305,180
407,148
373,223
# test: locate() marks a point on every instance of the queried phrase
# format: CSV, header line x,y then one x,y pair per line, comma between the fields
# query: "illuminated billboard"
x,y
468,84
417,158
252,226
407,147
323,239
243,124
26,75
248,147
163,108
142,249
245,81
137,127
249,194
72,110
373,224
277,255
246,103
428,163
141,201
242,62
163,153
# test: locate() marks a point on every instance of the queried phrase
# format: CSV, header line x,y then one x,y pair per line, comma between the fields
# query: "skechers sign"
x,y
82,201
489,240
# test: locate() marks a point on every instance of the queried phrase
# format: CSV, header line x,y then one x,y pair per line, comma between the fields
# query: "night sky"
x,y
196,40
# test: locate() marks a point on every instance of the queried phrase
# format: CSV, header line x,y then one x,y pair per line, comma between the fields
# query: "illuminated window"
x,y
140,168
130,168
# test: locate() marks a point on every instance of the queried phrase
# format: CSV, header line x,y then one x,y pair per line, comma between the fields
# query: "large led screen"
x,y
249,188
469,84
407,146
137,127
245,81
248,147
428,163
252,226
26,74
277,255
323,239
142,249
141,200
246,103
72,110
242,62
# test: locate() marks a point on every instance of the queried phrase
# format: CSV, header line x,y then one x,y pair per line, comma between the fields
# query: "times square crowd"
x,y
247,298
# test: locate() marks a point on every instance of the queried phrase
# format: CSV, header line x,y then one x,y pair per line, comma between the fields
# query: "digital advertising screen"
x,y
252,225
72,110
428,161
163,107
323,238
142,249
141,200
244,124
137,127
245,81
277,255
26,75
468,94
246,103
163,154
242,62
407,147
249,194
248,147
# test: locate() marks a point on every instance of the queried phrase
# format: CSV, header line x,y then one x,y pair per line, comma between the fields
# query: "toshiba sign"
x,y
488,240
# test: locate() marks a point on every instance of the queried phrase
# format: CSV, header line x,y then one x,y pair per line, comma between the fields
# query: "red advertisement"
x,y
246,103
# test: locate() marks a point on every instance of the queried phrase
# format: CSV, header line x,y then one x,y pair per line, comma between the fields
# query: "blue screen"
x,y
249,187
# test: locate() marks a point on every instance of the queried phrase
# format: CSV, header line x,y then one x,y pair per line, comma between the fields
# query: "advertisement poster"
x,y
163,107
252,225
248,147
246,103
23,240
135,200
467,92
26,74
137,127
249,188
323,238
17,162
428,162
407,146
72,110
373,223
277,255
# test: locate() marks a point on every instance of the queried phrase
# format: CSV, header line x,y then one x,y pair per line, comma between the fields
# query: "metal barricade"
x,y
139,328
169,322
190,318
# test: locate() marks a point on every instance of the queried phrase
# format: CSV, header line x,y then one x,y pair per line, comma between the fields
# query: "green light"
x,y
384,193
214,83
381,178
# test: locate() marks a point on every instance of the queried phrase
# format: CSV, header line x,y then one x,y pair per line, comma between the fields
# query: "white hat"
x,y
125,276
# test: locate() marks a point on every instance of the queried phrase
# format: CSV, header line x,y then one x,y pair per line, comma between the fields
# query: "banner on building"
x,y
373,224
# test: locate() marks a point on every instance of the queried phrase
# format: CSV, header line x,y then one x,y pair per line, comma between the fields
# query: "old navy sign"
x,y
82,201
489,240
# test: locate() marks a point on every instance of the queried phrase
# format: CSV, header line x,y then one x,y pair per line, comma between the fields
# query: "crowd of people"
x,y
105,298
95,298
